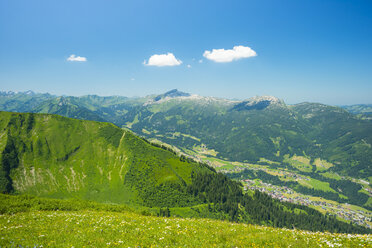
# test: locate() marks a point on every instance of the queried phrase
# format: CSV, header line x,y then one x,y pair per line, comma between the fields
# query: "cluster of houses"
x,y
359,217
286,194
297,177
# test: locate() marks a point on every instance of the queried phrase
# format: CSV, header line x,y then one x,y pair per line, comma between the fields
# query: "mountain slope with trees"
x,y
58,157
311,139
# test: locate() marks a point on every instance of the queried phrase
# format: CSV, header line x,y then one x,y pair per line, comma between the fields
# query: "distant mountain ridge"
x,y
362,110
248,130
257,103
171,94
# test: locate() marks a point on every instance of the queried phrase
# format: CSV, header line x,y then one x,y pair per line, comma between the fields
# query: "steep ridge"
x,y
48,155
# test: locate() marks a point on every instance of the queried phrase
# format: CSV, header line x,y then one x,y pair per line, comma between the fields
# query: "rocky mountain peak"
x,y
171,94
257,103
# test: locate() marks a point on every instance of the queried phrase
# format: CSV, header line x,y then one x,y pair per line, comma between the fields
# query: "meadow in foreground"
x,y
93,228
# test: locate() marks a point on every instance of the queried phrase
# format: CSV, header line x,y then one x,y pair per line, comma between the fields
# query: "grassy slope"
x,y
53,156
67,158
108,229
79,224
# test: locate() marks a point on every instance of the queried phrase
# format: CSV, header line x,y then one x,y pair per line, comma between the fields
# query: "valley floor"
x,y
93,228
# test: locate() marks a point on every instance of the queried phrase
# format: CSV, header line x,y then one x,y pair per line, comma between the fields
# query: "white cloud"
x,y
188,66
74,58
163,60
200,61
222,55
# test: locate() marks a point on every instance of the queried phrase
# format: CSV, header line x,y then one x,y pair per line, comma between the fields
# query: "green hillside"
x,y
57,157
244,131
325,143
340,138
317,141
48,155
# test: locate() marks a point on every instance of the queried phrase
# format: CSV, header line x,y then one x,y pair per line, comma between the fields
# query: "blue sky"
x,y
319,51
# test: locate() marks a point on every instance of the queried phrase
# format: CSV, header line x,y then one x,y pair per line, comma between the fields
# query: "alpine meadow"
x,y
185,123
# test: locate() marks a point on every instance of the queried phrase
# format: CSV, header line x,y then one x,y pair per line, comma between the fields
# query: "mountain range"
x,y
327,143
244,131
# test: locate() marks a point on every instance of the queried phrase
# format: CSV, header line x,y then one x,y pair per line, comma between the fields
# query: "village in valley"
x,y
282,193
344,211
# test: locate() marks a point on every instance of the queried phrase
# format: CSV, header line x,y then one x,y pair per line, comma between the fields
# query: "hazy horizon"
x,y
155,94
318,51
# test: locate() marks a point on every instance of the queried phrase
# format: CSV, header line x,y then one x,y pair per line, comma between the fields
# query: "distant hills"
x,y
245,131
362,110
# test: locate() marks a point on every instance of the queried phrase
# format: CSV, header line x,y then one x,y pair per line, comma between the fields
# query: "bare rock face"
x,y
258,103
167,96
171,94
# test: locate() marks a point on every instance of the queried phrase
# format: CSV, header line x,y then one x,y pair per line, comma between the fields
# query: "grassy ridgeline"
x,y
80,223
53,156
11,204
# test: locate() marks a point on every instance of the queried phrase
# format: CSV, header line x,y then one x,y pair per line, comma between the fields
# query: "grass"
x,y
111,229
331,175
204,150
267,161
130,124
316,184
61,158
28,221
299,162
369,202
190,136
322,165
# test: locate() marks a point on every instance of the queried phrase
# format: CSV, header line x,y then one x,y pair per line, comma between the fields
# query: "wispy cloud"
x,y
188,66
163,60
229,55
75,58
